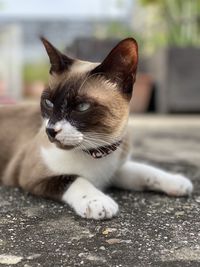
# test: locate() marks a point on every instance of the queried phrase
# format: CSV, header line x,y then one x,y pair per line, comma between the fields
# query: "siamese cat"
x,y
77,144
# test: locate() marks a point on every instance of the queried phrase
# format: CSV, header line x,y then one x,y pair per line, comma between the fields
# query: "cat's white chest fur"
x,y
97,171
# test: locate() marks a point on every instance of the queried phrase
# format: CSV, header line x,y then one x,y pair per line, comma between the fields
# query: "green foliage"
x,y
166,23
181,22
36,72
147,2
117,29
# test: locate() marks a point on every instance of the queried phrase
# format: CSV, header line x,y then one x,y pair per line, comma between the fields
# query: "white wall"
x,y
11,60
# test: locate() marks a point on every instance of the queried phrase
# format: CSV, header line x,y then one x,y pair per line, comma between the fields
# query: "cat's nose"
x,y
51,132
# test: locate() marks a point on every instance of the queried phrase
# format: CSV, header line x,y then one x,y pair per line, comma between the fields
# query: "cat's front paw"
x,y
97,207
179,186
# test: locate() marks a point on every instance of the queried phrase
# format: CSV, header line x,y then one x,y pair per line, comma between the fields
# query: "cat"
x,y
77,143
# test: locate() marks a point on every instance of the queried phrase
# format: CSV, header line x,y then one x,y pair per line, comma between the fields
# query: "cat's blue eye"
x,y
48,103
83,106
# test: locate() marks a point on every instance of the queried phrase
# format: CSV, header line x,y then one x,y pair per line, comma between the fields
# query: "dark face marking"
x,y
120,66
65,102
59,62
101,105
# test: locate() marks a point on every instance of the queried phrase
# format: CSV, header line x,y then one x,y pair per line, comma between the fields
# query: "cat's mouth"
x,y
64,135
63,140
63,146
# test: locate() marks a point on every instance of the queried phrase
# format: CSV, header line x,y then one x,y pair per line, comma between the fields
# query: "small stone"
x,y
113,241
179,213
109,230
126,241
102,248
9,259
81,254
33,256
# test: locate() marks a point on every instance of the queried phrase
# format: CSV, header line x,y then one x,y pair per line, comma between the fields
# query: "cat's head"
x,y
87,104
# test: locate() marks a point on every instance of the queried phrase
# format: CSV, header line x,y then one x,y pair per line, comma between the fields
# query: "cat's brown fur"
x,y
80,144
22,135
22,132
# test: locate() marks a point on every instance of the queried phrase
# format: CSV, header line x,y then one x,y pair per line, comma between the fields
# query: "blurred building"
x,y
21,24
63,22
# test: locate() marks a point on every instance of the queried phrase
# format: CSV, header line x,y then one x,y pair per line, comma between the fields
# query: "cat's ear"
x,y
121,64
59,62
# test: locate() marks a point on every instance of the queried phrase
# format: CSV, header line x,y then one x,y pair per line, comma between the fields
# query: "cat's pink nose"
x,y
58,127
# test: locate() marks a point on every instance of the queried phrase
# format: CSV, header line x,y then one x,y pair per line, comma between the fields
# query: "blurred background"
x,y
168,33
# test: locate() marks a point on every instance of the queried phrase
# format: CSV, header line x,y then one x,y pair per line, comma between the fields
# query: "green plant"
x,y
35,72
180,21
120,30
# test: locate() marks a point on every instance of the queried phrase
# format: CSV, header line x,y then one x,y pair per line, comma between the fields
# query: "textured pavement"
x,y
150,230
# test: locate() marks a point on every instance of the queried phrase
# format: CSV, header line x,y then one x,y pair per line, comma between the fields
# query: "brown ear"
x,y
59,62
121,64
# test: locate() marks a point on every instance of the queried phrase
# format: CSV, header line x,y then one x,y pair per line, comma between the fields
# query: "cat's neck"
x,y
103,151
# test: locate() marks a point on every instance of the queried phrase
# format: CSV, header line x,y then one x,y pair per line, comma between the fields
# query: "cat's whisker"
x,y
82,147
101,140
97,142
92,145
101,135
97,145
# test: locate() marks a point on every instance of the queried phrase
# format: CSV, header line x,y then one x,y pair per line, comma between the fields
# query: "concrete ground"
x,y
150,230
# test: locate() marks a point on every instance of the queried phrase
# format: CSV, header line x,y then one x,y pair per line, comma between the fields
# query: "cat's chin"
x,y
65,147
61,145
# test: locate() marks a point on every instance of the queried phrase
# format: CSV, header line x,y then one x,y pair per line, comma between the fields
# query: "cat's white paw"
x,y
97,207
178,185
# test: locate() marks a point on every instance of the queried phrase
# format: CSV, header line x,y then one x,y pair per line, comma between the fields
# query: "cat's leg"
x,y
88,201
137,176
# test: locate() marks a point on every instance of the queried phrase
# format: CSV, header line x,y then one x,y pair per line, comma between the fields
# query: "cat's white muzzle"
x,y
66,134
